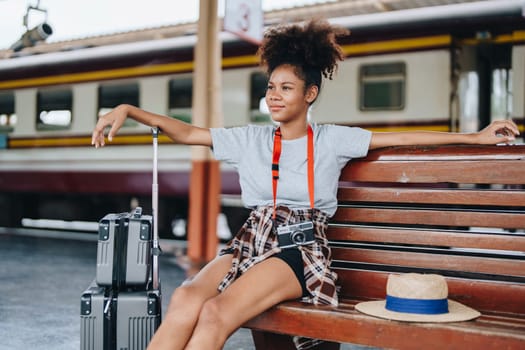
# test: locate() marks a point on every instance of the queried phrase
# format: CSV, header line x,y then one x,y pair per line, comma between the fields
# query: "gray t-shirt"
x,y
249,150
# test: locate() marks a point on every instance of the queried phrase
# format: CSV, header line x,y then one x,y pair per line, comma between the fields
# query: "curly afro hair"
x,y
311,47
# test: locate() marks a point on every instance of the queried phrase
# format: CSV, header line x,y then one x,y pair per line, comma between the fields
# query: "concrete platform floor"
x,y
41,281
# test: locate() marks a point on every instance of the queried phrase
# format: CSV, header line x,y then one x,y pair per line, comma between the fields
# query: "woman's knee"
x,y
185,302
213,315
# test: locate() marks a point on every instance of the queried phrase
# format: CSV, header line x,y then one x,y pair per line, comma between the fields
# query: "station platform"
x,y
42,278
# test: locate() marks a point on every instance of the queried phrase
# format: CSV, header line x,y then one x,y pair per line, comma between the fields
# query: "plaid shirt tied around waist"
x,y
257,241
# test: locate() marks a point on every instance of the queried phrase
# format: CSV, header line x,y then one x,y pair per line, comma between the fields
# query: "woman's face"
x,y
286,97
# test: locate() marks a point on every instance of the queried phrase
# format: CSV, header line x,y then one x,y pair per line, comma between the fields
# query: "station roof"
x,y
329,9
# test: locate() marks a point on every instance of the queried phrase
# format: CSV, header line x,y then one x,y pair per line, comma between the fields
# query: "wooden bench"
x,y
458,211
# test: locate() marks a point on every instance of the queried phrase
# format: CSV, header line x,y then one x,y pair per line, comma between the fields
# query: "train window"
x,y
258,110
382,86
54,109
111,95
180,98
7,111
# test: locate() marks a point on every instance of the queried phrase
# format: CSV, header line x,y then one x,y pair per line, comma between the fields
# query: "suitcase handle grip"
x,y
137,213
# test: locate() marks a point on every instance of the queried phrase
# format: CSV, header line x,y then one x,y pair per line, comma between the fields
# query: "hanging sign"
x,y
245,19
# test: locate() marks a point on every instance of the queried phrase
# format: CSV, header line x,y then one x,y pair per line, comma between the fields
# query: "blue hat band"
x,y
417,306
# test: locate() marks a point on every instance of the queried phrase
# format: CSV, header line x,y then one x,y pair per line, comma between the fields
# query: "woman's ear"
x,y
311,93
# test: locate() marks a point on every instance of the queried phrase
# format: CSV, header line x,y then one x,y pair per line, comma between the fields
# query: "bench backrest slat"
x,y
423,216
446,261
436,196
445,164
436,171
428,237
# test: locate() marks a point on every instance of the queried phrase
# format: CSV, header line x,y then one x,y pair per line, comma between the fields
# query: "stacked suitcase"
x,y
121,309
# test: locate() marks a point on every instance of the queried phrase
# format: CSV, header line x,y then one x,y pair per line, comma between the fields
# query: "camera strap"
x,y
277,145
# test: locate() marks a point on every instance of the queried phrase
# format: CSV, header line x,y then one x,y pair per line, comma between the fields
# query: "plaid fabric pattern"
x,y
256,241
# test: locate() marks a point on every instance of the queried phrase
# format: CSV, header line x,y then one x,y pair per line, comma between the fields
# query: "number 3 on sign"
x,y
245,19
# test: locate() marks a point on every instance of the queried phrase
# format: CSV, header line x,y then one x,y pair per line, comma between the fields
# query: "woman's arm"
x,y
501,131
176,130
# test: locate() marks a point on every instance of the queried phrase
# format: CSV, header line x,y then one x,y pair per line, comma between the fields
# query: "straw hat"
x,y
417,297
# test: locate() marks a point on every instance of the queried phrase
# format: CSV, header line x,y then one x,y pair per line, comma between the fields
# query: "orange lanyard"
x,y
275,165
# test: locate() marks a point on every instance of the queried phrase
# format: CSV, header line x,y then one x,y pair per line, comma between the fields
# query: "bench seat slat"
x,y
433,196
503,320
459,239
500,266
445,217
347,325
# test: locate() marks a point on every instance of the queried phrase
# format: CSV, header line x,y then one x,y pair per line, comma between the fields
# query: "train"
x,y
445,68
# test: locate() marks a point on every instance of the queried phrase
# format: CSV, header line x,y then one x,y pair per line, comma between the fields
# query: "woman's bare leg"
x,y
261,287
185,305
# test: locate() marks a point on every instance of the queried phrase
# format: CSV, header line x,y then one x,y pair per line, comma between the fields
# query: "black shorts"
x,y
294,259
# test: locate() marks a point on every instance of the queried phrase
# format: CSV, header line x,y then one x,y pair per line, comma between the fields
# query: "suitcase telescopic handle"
x,y
154,206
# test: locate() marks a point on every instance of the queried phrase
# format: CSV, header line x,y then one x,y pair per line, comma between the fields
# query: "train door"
x,y
484,90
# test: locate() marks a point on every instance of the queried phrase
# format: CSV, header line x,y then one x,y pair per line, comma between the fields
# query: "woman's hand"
x,y
499,131
115,119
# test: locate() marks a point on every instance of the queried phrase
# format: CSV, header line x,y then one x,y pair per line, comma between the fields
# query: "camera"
x,y
294,235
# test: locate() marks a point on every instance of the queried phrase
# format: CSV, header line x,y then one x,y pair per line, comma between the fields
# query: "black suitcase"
x,y
121,309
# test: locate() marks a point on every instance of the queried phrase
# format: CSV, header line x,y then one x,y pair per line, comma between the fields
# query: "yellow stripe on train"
x,y
81,141
395,128
398,45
